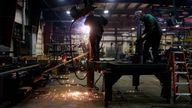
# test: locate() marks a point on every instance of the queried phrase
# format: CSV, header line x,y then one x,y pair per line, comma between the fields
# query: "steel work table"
x,y
115,70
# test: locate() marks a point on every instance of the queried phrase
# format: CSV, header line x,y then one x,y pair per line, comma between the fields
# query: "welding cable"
x,y
95,84
71,54
75,84
78,77
76,73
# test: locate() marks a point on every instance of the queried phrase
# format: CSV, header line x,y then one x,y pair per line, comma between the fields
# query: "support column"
x,y
116,45
139,46
7,18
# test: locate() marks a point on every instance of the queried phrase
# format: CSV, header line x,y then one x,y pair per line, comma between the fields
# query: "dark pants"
x,y
95,41
154,43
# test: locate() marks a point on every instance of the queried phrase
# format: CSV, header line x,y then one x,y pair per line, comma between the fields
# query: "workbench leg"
x,y
136,81
108,87
165,80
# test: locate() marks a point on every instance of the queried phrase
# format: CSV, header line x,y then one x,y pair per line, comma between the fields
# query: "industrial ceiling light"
x,y
68,12
177,26
164,29
132,28
106,11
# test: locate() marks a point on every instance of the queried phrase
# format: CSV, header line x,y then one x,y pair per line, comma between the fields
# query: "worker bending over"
x,y
152,36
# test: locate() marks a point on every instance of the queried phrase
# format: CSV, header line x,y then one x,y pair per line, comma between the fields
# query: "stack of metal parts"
x,y
18,76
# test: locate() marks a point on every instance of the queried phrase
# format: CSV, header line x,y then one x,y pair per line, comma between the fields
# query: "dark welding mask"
x,y
77,13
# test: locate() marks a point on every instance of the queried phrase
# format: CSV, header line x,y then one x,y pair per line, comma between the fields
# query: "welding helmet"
x,y
77,13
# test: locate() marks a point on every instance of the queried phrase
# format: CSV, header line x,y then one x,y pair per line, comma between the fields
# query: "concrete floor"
x,y
73,93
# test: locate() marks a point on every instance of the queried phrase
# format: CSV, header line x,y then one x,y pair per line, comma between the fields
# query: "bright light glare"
x,y
75,94
164,29
85,29
68,12
177,26
106,11
133,28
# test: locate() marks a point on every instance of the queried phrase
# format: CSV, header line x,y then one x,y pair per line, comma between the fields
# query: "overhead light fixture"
x,y
177,26
164,29
68,12
133,28
106,11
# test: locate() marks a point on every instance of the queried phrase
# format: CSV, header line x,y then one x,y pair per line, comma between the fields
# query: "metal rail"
x,y
64,63
15,70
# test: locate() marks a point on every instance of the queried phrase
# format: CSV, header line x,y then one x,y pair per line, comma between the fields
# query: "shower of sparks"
x,y
70,91
70,95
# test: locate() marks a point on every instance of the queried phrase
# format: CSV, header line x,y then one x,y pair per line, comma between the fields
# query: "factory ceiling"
x,y
121,12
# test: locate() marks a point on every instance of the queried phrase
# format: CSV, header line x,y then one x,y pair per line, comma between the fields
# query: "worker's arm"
x,y
149,27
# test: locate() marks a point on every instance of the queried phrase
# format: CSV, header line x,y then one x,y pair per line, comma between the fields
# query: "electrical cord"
x,y
95,84
58,79
71,54
80,78
70,42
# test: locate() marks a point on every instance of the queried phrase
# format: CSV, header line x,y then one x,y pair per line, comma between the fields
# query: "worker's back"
x,y
96,23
